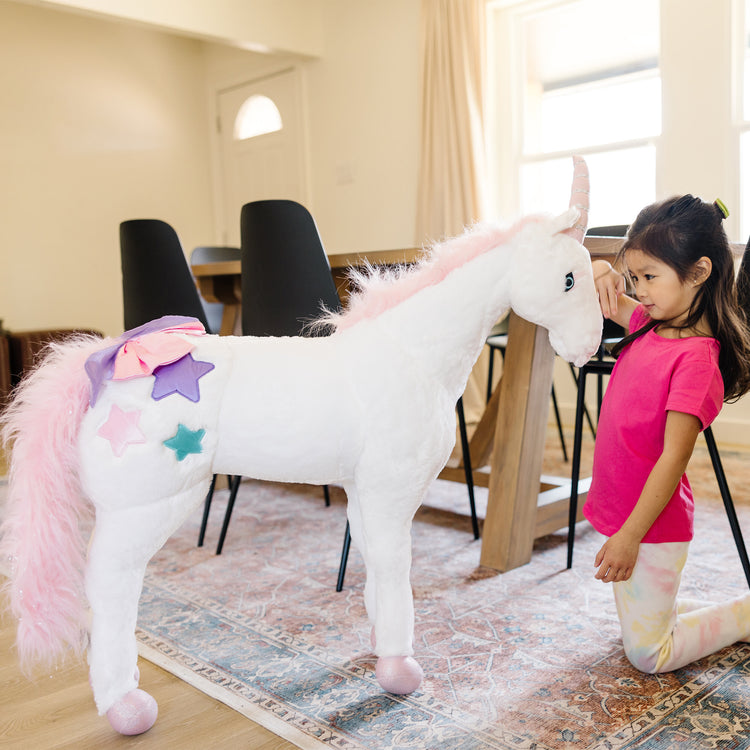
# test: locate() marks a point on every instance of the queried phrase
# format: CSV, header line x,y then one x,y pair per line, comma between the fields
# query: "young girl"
x,y
688,351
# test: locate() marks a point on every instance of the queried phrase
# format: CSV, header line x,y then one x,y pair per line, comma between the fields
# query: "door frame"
x,y
216,156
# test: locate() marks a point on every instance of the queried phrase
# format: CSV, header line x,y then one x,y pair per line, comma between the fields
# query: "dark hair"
x,y
678,232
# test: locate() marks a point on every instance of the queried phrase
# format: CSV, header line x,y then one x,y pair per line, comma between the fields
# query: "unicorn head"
x,y
553,285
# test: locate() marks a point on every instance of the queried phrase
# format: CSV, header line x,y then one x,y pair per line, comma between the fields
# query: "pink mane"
x,y
381,289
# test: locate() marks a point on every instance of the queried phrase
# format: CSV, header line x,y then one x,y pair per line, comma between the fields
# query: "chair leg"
x,y
576,464
726,496
234,485
559,425
344,558
327,495
468,472
585,408
206,509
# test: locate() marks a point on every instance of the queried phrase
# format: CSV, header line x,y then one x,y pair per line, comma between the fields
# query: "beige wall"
x,y
101,122
279,26
363,99
106,120
361,111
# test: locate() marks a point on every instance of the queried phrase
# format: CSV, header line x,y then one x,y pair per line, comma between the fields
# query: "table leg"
x,y
229,319
226,289
516,464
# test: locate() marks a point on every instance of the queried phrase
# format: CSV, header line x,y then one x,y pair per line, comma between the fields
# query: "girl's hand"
x,y
610,285
616,559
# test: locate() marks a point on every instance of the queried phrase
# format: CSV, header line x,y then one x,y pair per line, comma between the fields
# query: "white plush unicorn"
x,y
131,430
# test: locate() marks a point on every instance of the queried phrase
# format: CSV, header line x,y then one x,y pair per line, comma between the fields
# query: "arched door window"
x,y
258,115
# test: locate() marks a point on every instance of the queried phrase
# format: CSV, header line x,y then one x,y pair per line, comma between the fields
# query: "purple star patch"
x,y
180,377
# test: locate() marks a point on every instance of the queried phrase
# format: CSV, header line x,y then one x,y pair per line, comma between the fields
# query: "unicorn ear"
x,y
579,199
567,222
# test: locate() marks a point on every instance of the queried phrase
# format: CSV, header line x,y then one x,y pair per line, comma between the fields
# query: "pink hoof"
x,y
399,675
135,713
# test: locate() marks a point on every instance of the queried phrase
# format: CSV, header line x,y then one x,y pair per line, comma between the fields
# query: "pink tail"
x,y
42,536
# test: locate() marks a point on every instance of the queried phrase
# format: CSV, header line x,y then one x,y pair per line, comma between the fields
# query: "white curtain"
x,y
452,183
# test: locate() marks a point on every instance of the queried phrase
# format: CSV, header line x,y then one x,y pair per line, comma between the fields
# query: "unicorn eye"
x,y
569,281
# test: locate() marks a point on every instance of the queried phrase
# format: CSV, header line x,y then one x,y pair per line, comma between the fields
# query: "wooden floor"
x,y
57,711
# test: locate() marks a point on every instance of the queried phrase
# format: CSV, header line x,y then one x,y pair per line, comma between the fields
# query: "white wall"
x,y
698,150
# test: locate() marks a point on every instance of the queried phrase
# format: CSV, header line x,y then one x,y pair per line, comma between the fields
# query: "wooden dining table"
x,y
510,435
222,281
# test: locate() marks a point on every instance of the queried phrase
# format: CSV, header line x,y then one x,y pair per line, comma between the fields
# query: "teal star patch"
x,y
185,441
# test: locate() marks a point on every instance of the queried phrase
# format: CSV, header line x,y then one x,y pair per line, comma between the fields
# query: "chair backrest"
x,y
286,276
213,254
156,279
613,230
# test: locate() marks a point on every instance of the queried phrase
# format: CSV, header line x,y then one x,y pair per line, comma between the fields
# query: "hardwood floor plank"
x,y
57,711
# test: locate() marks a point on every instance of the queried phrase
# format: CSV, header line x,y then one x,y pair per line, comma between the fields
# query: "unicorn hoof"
x,y
399,675
135,713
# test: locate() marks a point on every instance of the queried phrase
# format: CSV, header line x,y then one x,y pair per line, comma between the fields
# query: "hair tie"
x,y
720,205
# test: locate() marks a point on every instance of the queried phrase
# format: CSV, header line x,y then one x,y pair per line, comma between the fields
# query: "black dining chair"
x,y
286,284
156,281
611,331
156,278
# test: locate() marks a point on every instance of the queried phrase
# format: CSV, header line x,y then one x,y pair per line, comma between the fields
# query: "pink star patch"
x,y
121,429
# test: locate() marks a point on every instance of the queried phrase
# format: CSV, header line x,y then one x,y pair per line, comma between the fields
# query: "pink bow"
x,y
139,356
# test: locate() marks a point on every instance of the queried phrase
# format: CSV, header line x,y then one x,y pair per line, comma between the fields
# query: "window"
x,y
593,92
258,115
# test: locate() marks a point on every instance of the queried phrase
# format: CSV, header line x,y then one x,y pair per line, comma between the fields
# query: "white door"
x,y
265,165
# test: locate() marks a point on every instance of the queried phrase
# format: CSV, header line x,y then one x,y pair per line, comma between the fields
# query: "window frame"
x,y
506,145
741,107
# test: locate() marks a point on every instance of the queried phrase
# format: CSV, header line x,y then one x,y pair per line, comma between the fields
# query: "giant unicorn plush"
x,y
130,431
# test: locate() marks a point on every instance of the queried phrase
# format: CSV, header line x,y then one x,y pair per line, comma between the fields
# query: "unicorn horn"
x,y
579,198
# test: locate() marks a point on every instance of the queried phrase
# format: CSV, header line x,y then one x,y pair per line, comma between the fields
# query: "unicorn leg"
x,y
113,587
123,543
387,538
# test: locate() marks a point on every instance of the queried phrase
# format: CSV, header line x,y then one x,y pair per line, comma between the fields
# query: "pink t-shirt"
x,y
652,376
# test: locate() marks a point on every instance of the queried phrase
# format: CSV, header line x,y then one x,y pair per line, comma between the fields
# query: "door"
x,y
261,145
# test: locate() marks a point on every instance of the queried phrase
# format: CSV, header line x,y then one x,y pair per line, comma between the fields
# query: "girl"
x,y
688,350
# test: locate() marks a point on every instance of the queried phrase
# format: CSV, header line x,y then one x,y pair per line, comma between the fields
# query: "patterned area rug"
x,y
528,659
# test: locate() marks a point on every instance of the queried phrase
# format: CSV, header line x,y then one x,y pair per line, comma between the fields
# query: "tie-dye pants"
x,y
661,632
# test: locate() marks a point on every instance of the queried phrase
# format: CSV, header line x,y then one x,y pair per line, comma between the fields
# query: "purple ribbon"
x,y
100,366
